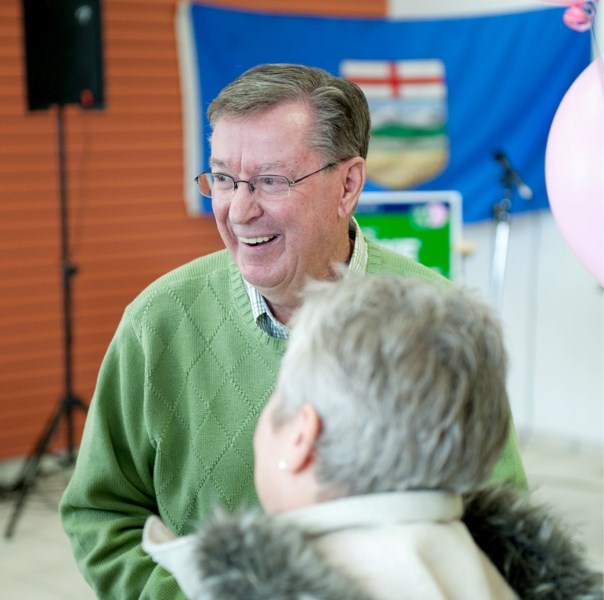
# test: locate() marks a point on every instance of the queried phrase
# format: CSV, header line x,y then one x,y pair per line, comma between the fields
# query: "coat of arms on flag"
x,y
407,100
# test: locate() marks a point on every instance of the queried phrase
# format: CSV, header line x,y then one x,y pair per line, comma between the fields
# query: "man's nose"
x,y
244,203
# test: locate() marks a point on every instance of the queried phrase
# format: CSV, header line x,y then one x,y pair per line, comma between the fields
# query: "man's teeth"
x,y
255,241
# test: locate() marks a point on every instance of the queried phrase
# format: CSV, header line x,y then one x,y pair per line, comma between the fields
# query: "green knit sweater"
x,y
170,427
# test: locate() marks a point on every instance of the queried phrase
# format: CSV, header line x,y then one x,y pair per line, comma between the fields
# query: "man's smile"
x,y
256,241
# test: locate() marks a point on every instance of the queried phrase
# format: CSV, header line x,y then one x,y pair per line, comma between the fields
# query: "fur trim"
x,y
531,549
254,557
251,557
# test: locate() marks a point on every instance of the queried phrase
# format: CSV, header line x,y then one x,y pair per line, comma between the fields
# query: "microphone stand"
x,y
501,214
69,401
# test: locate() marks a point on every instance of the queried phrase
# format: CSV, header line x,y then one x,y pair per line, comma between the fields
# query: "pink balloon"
x,y
580,16
574,168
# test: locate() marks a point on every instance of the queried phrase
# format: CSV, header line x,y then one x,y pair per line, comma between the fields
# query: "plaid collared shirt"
x,y
262,313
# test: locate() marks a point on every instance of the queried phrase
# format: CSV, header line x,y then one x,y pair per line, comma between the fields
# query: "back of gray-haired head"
x,y
409,380
342,122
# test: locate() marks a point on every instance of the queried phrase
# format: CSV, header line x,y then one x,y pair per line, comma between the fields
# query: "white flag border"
x,y
460,8
191,101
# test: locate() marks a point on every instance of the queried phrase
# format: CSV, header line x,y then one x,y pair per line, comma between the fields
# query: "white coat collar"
x,y
377,510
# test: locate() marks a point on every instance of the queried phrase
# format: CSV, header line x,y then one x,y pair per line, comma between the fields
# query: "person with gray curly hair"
x,y
373,352
372,462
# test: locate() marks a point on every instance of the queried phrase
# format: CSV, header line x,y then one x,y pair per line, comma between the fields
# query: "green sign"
x,y
423,226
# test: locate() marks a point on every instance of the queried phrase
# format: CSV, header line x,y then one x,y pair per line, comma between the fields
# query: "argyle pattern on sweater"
x,y
209,371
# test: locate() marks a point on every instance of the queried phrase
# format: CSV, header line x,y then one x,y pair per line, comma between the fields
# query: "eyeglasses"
x,y
272,185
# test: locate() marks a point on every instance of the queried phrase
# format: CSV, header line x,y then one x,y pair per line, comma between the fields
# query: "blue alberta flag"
x,y
445,94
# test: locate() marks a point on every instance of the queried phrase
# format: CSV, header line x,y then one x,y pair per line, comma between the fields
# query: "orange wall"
x,y
127,223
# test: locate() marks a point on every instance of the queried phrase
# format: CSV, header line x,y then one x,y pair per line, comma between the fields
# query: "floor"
x,y
36,562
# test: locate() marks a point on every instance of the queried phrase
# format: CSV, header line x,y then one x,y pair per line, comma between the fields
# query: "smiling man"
x,y
196,355
279,232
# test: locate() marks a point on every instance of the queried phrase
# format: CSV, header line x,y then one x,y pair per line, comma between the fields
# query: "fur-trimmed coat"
x,y
256,557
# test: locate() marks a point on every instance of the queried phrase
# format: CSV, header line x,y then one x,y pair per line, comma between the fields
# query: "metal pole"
x,y
500,249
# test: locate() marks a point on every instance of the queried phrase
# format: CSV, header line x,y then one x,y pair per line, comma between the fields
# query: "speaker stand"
x,y
69,402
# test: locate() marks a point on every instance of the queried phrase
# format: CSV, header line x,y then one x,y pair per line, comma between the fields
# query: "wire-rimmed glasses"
x,y
224,185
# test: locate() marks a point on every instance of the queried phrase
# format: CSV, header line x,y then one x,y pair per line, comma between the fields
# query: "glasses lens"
x,y
221,183
204,182
271,184
214,182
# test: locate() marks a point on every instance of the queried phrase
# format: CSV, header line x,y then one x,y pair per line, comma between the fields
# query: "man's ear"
x,y
353,181
305,432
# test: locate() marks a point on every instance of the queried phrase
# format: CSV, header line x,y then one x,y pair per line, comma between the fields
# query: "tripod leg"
x,y
29,472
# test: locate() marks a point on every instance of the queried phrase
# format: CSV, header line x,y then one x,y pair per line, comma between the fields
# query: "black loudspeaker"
x,y
63,53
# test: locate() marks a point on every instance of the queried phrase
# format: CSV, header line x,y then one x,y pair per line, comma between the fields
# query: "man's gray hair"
x,y
409,380
342,123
